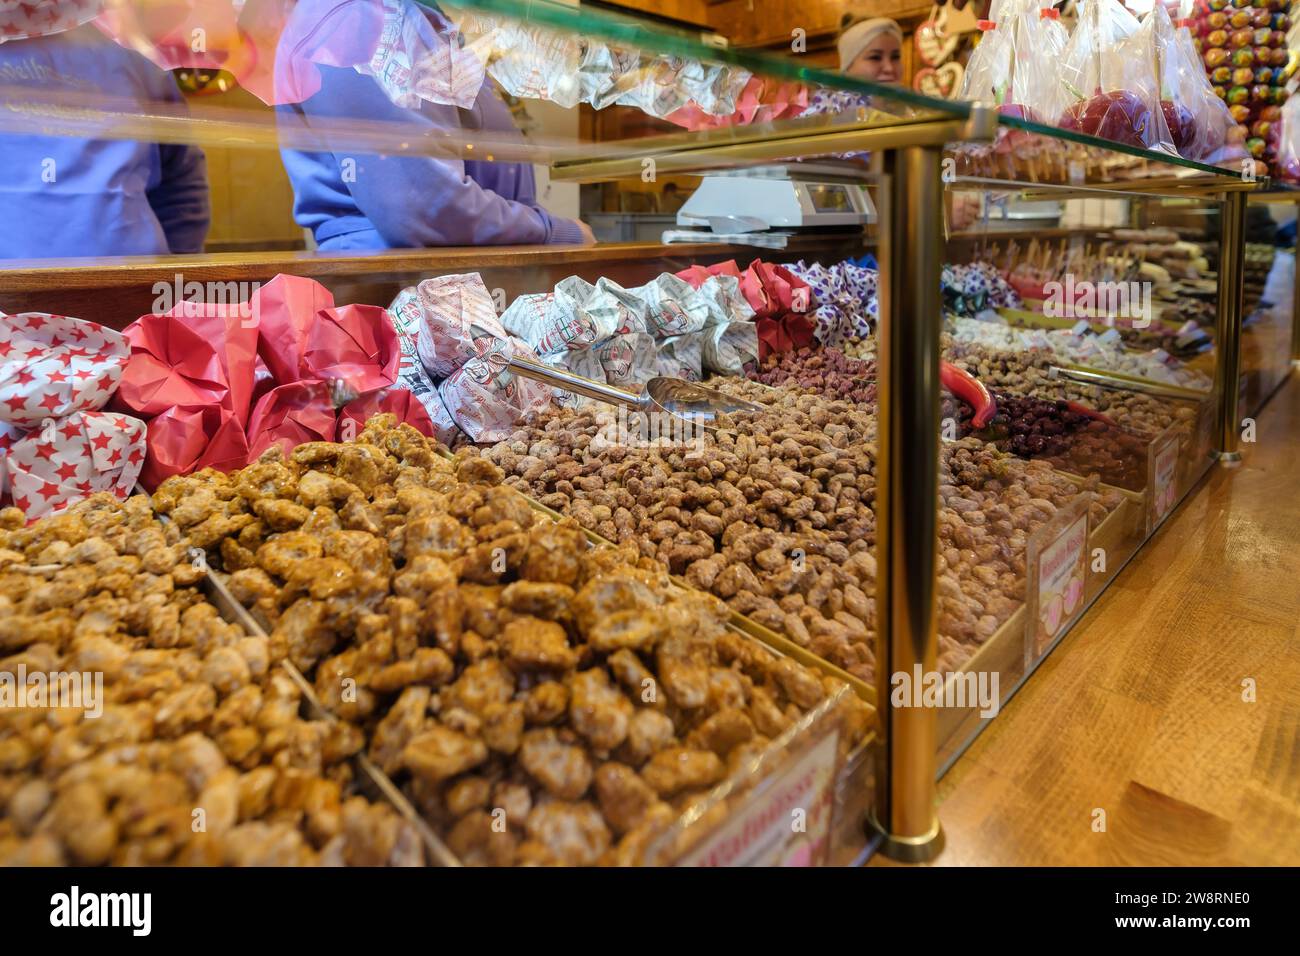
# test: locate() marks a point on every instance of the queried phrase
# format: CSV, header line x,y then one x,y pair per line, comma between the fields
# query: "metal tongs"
x,y
673,396
1123,382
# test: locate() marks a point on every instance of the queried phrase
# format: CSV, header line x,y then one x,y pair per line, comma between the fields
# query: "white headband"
x,y
859,36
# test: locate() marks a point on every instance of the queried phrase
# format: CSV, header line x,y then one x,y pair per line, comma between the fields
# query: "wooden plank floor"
x,y
1140,713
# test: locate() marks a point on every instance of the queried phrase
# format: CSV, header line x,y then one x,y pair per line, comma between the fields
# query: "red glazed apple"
x,y
1119,116
1181,123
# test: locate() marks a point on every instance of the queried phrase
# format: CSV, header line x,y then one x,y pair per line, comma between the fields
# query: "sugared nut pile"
x,y
775,518
195,753
1066,438
1026,373
828,372
541,701
775,515
863,350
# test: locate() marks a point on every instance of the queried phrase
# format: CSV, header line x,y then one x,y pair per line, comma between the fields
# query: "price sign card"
x,y
787,823
1056,565
1162,477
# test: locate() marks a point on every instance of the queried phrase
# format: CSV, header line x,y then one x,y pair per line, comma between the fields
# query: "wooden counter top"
x,y
116,291
31,275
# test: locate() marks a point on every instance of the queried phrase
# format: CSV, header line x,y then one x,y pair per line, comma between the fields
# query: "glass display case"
x,y
970,363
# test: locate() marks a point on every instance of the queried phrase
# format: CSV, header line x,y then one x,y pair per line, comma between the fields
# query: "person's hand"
x,y
588,237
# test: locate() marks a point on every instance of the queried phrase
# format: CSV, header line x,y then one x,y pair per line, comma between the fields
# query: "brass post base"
x,y
918,849
1228,459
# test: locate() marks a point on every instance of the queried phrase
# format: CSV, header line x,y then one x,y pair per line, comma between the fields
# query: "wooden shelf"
x,y
116,291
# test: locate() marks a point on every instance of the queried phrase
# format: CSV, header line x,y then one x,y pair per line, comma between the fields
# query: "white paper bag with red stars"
x,y
9,434
26,18
53,365
64,461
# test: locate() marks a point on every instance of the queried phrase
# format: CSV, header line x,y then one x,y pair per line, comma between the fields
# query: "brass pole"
x,y
1227,365
1295,298
907,498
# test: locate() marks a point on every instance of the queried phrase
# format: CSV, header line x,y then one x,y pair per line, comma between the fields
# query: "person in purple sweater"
x,y
356,201
69,196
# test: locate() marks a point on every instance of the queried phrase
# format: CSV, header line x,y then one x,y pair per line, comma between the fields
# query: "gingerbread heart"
x,y
932,46
941,83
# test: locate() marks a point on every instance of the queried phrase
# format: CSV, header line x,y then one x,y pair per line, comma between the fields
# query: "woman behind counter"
x,y
354,202
873,50
68,196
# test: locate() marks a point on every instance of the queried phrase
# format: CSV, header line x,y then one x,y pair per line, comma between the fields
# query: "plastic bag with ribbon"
x,y
1288,148
1038,42
1200,123
1109,71
988,73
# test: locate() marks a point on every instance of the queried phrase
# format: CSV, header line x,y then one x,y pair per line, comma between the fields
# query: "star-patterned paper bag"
x,y
21,19
9,435
64,461
52,366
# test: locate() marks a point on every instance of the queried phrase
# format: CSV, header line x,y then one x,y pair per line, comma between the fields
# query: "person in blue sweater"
x,y
361,202
63,196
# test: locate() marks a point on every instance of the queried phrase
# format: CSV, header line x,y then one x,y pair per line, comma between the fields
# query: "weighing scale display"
x,y
830,198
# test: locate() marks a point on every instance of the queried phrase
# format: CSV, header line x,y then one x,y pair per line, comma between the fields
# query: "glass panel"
x,y
1081,290
372,91
1267,336
1090,316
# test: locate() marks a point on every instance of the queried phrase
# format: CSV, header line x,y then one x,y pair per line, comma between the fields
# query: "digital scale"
x,y
786,196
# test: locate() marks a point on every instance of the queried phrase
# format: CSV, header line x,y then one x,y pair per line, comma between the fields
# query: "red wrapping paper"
x,y
303,336
696,274
770,290
194,354
225,382
65,461
773,290
289,415
187,438
191,373
784,334
1026,288
53,365
760,101
286,310
399,401
778,297
355,345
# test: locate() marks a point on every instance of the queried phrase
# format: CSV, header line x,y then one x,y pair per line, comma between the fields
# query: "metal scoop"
x,y
684,400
